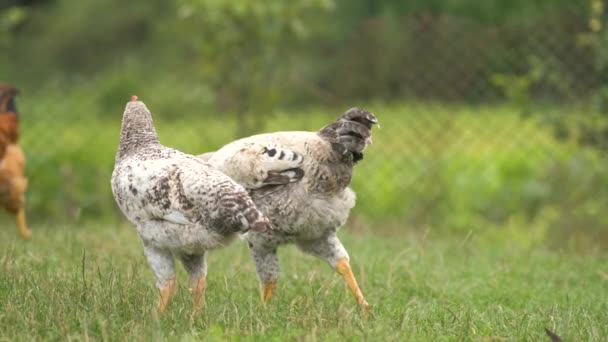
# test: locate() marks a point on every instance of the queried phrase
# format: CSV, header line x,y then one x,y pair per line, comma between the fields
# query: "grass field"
x,y
478,176
91,282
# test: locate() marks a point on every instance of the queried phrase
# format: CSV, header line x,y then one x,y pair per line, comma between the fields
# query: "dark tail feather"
x,y
361,116
351,133
255,220
242,214
284,177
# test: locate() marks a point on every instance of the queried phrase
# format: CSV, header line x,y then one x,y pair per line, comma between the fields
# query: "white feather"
x,y
177,217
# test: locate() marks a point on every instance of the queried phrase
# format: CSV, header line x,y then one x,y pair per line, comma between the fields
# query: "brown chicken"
x,y
12,161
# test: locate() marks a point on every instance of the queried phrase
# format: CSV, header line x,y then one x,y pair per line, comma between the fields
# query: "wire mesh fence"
x,y
482,124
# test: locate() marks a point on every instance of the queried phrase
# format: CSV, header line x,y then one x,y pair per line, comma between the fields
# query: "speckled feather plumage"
x,y
309,211
180,205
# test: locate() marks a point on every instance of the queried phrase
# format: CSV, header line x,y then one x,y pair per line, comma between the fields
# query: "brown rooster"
x,y
12,161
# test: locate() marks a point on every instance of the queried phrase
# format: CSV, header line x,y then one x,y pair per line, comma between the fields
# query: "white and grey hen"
x,y
300,180
182,207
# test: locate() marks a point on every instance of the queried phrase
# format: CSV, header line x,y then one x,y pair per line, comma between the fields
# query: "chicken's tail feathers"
x,y
244,213
254,220
361,116
351,133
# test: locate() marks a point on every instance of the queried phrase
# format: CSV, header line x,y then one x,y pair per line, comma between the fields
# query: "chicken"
x,y
181,206
13,183
300,180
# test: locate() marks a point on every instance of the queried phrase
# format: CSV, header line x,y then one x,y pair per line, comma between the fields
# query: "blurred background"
x,y
494,113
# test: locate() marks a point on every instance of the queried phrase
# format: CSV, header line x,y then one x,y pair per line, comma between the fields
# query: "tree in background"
x,y
249,50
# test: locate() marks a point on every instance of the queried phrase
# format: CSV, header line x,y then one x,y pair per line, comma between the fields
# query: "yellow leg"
x,y
165,294
267,289
24,231
343,268
198,290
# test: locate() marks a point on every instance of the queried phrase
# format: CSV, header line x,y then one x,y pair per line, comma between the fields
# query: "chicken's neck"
x,y
137,132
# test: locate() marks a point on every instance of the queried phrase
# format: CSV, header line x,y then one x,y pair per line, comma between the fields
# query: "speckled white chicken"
x,y
181,206
300,180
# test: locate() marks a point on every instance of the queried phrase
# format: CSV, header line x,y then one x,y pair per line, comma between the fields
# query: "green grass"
x,y
91,282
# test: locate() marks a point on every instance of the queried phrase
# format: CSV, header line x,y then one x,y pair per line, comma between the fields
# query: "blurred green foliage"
x,y
247,49
547,77
252,56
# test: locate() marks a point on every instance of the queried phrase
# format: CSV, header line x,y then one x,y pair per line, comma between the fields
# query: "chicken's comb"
x,y
134,98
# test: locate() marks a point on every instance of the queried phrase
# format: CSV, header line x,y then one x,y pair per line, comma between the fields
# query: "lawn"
x,y
91,282
479,176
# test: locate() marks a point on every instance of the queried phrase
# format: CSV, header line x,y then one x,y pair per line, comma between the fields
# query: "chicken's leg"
x,y
330,249
166,291
163,265
267,290
12,168
198,286
196,266
343,268
267,267
24,231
